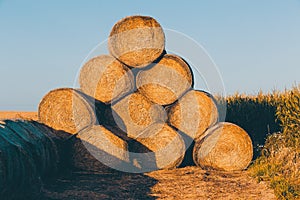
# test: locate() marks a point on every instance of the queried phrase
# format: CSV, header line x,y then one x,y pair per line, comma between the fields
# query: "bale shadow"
x,y
93,185
188,156
107,183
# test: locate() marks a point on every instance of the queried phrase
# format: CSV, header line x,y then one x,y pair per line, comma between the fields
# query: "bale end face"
x,y
225,146
106,79
194,113
165,147
137,113
67,110
165,81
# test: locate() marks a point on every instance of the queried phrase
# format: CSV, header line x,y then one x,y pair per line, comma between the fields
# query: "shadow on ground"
x,y
88,185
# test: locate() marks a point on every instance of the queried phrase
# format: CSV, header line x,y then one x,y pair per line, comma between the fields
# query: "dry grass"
x,y
195,183
137,41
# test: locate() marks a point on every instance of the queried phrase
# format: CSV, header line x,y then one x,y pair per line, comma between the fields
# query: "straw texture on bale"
x,y
225,146
27,156
166,81
98,149
137,113
66,109
137,41
165,145
194,113
105,79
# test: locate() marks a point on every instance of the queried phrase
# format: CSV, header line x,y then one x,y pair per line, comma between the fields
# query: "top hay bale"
x,y
105,79
137,41
66,109
193,113
224,146
166,81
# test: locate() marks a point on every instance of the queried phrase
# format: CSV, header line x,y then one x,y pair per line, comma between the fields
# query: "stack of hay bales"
x,y
140,98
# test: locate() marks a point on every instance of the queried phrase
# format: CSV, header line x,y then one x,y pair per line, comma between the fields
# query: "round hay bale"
x,y
136,113
98,149
225,146
194,113
137,41
66,109
166,81
165,147
105,79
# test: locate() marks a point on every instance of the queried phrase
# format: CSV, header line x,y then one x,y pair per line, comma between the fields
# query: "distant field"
x,y
18,115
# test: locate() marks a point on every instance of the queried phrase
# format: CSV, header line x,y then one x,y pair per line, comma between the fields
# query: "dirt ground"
x,y
182,183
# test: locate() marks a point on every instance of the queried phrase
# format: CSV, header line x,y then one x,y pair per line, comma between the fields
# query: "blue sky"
x,y
255,44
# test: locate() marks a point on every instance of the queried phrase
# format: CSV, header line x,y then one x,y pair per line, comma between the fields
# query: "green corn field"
x,y
273,122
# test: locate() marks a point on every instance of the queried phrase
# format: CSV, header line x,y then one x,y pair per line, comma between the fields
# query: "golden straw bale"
x,y
193,113
137,41
66,109
105,79
98,149
137,113
166,81
164,143
225,146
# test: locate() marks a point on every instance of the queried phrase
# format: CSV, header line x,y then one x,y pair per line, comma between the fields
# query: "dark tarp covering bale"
x,y
27,156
